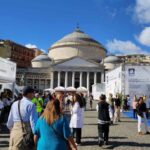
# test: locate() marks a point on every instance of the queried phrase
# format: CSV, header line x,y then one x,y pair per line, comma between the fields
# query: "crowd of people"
x,y
5,104
44,116
41,117
109,113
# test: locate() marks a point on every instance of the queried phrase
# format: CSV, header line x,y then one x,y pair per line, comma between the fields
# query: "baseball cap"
x,y
27,90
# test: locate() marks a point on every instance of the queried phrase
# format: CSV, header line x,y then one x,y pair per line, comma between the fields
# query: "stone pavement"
x,y
123,135
4,138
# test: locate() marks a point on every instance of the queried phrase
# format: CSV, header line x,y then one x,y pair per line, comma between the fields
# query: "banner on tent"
x,y
7,71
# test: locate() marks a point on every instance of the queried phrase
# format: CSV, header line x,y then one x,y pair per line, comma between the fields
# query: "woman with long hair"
x,y
52,129
141,114
76,122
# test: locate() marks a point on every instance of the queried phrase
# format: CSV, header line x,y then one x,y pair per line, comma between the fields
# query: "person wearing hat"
x,y
27,114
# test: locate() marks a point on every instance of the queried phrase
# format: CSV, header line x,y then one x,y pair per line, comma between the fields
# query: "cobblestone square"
x,y
123,135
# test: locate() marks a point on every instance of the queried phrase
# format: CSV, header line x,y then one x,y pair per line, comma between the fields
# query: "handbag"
x,y
27,140
58,134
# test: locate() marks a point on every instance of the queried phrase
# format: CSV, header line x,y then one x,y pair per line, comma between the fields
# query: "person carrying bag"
x,y
59,135
21,122
27,141
53,126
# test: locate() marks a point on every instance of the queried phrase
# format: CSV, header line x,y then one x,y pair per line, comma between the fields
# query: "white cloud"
x,y
142,11
144,37
31,46
43,50
34,46
123,47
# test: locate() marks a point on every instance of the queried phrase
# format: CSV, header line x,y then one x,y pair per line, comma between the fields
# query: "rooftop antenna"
x,y
77,27
78,30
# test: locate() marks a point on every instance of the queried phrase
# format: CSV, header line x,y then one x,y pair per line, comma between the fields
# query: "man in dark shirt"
x,y
103,120
117,102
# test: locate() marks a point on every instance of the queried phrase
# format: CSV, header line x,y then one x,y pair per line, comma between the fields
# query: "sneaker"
x,y
100,143
105,142
147,132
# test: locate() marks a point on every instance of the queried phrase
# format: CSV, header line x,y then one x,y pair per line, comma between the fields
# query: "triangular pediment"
x,y
77,62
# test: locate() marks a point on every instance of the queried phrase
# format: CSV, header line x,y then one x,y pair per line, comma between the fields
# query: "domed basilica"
x,y
74,60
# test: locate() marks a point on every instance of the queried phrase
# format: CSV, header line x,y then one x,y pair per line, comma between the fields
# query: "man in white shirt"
x,y
28,116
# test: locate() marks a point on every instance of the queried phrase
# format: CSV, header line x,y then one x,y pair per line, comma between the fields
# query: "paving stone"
x,y
123,135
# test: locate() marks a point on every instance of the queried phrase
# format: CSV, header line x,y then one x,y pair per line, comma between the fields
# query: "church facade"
x,y
74,60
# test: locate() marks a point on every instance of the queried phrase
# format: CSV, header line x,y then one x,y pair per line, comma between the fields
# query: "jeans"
x,y
140,122
103,132
134,113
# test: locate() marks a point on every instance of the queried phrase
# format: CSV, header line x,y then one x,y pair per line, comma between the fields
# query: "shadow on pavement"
x,y
91,124
90,110
115,137
89,143
129,121
4,144
4,136
114,144
90,137
112,137
90,116
4,129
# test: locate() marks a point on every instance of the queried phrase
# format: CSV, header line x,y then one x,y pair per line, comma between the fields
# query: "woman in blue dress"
x,y
52,130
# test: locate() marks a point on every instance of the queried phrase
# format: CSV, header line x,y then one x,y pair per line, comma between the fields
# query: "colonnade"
x,y
73,78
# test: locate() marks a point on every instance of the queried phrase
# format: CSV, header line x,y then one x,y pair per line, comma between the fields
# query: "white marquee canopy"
x,y
7,71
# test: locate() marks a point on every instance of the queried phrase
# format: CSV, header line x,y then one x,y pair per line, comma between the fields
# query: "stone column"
x,y
58,84
88,81
80,79
102,77
39,83
52,80
45,84
73,79
95,77
66,79
33,82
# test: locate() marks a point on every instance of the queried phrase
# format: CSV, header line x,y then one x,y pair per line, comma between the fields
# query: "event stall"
x,y
129,79
7,74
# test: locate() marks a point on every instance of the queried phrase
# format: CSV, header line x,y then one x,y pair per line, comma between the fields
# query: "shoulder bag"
x,y
59,135
27,140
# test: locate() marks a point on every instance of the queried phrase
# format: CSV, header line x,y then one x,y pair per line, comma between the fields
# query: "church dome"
x,y
42,57
77,43
41,61
111,62
112,59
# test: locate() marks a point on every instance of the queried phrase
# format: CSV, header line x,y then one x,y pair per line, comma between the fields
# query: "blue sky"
x,y
122,26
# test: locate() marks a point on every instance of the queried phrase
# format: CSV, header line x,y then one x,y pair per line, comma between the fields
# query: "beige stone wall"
x,y
5,51
86,51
